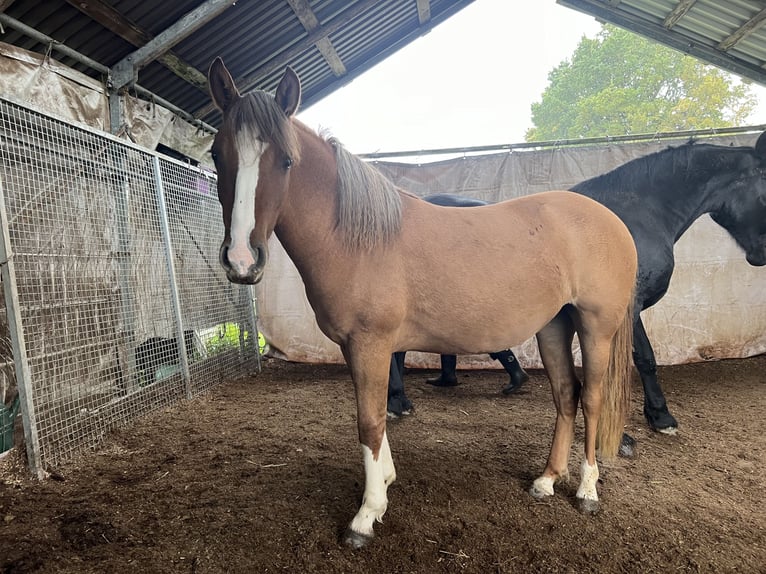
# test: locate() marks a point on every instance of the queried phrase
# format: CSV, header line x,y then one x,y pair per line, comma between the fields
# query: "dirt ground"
x,y
264,473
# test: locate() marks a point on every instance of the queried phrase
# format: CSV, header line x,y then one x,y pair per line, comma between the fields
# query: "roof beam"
x,y
745,30
252,80
424,11
112,20
310,22
125,71
678,12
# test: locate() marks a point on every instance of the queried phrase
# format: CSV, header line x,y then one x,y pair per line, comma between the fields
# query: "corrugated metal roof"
x,y
729,34
256,38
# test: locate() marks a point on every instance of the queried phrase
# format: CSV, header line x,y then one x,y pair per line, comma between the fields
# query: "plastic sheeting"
x,y
51,87
715,307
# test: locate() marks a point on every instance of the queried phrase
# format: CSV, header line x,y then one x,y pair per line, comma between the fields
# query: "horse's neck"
x,y
673,195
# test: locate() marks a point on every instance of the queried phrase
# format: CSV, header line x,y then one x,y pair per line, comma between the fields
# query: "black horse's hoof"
x,y
515,383
440,382
354,540
627,446
587,506
661,421
392,416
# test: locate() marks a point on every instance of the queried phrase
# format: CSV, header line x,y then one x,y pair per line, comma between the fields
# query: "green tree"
x,y
620,83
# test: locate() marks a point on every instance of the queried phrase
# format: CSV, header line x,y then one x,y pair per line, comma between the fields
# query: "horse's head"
x,y
743,211
253,152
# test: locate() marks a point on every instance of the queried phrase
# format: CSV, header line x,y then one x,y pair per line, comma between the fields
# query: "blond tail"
x,y
616,388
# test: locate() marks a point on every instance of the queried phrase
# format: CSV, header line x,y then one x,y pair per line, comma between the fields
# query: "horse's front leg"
x,y
369,370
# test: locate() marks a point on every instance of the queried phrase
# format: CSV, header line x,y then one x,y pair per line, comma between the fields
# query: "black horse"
x,y
398,402
659,196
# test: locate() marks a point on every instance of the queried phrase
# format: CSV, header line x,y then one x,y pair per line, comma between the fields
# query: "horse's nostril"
x,y
223,257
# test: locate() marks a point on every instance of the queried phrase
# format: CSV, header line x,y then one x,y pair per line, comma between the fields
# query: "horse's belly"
x,y
475,328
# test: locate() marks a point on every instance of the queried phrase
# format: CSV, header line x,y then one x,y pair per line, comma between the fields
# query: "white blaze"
x,y
250,151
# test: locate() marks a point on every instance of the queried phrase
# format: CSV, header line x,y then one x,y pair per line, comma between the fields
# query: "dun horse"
x,y
658,196
372,259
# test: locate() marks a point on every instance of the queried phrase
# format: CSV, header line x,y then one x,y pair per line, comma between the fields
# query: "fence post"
x,y
124,255
16,330
170,258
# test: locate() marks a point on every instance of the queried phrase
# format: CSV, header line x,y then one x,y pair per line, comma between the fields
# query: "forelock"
x,y
256,116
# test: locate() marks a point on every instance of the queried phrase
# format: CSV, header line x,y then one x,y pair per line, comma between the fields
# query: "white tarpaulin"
x,y
715,307
47,85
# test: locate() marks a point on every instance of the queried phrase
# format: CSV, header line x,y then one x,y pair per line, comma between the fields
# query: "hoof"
x,y
541,490
661,421
627,446
588,506
511,387
439,382
538,494
355,540
392,416
515,383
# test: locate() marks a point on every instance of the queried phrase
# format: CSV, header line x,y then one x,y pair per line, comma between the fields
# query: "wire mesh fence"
x,y
114,302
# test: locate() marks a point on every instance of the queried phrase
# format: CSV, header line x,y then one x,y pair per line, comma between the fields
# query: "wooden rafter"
x,y
310,22
424,11
252,80
112,20
743,31
678,12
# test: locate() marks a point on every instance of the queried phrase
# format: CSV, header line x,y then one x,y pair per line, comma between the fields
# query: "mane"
x,y
257,116
689,162
369,206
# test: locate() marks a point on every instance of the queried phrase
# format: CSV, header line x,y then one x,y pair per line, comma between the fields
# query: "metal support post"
x,y
15,327
170,257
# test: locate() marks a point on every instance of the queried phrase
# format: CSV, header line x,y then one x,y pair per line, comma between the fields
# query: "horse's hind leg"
x,y
369,370
595,343
555,344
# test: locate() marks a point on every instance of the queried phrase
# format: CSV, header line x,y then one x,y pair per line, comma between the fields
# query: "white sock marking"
x,y
378,474
588,480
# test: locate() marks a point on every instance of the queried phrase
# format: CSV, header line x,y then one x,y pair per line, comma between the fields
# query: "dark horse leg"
x,y
655,407
513,368
448,376
398,403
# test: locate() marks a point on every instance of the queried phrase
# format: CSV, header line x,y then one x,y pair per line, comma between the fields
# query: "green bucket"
x,y
7,420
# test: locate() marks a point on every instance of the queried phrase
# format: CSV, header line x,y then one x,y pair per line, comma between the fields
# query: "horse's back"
x,y
534,254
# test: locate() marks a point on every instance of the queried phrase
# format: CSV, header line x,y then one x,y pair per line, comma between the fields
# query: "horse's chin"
x,y
756,260
253,276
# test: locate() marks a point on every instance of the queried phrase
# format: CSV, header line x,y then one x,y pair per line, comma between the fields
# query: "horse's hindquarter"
x,y
501,272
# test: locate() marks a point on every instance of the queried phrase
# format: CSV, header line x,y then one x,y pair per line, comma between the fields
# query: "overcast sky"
x,y
470,81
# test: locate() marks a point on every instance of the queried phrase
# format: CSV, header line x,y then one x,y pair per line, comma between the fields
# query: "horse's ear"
x,y
760,146
221,85
288,95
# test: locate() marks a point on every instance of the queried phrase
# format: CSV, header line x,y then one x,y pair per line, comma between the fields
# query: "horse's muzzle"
x,y
253,274
757,260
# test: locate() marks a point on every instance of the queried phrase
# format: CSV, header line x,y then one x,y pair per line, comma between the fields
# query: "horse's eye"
x,y
288,163
214,155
